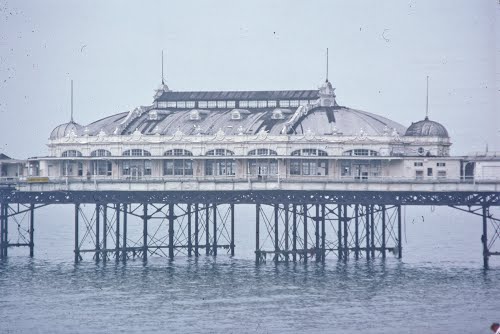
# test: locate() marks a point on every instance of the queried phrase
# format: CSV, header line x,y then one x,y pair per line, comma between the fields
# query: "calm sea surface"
x,y
438,287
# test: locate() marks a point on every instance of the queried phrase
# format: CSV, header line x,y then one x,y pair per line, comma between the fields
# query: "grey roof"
x,y
239,95
427,128
320,120
66,129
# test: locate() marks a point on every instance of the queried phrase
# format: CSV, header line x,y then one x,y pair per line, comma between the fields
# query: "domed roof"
x,y
66,129
427,128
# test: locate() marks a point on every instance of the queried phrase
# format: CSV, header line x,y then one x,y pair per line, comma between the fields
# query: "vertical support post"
x,y
294,232
124,242
484,238
32,229
77,246
276,233
196,230
356,231
346,234
317,249
145,232
400,242
3,223
214,246
257,235
323,234
367,231
6,229
190,242
105,233
232,230
171,217
339,232
117,232
383,231
207,230
286,212
306,252
372,230
97,232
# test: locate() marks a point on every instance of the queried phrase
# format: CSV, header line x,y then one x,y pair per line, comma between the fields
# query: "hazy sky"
x,y
380,55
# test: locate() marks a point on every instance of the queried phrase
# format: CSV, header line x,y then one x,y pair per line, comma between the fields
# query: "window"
x,y
136,152
223,167
231,104
219,152
263,167
304,102
71,153
271,104
181,104
262,151
418,164
284,103
162,104
202,104
310,152
243,104
212,104
221,104
235,115
419,174
178,152
190,104
252,104
261,104
180,167
441,174
360,152
429,171
101,167
194,115
441,164
294,103
171,104
277,114
72,168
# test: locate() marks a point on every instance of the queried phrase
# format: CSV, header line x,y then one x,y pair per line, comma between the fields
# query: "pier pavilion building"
x,y
252,135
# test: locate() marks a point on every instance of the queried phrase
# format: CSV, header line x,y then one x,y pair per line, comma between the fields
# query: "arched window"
x,y
310,152
178,152
220,152
262,151
361,152
309,166
180,167
136,152
71,153
100,153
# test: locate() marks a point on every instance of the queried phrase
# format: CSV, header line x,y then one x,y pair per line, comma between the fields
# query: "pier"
x,y
291,223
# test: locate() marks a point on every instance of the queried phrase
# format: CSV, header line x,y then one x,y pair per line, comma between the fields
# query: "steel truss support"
x,y
147,229
17,226
341,230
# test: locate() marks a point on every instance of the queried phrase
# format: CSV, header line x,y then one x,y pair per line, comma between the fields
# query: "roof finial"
x,y
326,65
162,77
71,102
427,101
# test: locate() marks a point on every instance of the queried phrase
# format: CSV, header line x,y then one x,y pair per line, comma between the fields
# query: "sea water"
x,y
439,286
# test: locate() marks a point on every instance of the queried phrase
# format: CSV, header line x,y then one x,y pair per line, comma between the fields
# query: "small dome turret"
x,y
427,128
66,129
